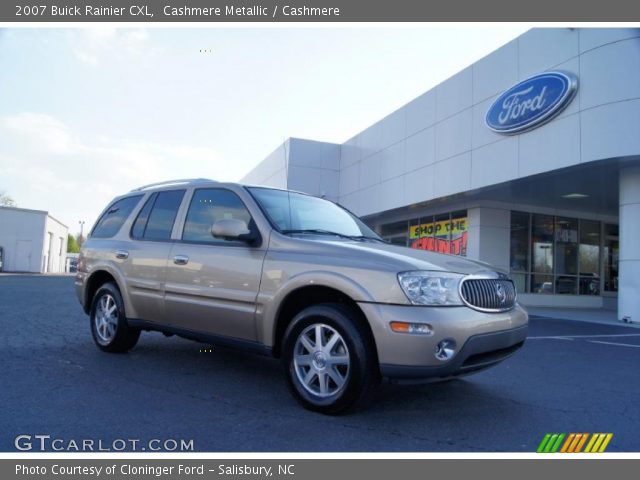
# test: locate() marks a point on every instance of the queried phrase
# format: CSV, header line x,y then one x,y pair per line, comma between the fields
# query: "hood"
x,y
378,256
412,259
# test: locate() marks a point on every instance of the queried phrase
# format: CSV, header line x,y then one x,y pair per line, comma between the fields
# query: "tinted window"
x,y
137,231
209,205
155,220
114,217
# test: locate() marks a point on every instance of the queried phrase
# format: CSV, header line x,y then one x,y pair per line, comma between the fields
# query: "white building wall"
x,y
438,144
489,231
305,165
272,171
57,248
629,279
22,238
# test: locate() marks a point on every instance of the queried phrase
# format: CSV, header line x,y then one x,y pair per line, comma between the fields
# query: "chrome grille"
x,y
494,295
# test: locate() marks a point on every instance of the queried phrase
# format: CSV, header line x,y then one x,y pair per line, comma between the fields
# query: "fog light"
x,y
417,328
446,349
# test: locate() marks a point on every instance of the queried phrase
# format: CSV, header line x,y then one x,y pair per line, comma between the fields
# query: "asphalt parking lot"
x,y
569,377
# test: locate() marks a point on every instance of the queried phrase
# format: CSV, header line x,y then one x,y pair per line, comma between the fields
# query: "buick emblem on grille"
x,y
501,294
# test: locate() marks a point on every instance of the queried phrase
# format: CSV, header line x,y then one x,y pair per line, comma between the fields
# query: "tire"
x,y
108,322
347,363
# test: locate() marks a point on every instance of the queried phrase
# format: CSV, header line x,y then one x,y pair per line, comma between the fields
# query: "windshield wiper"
x,y
320,231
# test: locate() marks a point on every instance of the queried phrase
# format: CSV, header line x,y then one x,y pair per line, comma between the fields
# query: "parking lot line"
x,y
571,337
616,344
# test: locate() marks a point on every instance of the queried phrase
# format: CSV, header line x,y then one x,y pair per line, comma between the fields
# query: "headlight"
x,y
431,288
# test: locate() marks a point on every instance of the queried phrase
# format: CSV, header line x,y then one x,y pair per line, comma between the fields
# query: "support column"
x,y
489,236
629,258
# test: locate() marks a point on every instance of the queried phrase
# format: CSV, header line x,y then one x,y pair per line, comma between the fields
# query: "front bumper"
x,y
482,339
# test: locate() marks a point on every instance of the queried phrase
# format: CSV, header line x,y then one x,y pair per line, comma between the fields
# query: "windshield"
x,y
292,212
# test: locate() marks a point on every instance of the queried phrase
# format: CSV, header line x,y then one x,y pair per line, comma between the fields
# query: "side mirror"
x,y
233,229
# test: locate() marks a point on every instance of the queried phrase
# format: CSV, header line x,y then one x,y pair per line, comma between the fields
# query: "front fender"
x,y
270,299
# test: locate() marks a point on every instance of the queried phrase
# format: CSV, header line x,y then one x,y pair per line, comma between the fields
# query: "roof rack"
x,y
167,183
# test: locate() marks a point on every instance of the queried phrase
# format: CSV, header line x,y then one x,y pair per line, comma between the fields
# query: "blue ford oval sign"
x,y
531,102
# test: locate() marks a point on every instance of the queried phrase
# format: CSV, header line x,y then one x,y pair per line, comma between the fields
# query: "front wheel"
x,y
329,359
109,326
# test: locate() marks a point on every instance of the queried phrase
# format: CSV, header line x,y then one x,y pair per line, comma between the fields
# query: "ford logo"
x,y
531,102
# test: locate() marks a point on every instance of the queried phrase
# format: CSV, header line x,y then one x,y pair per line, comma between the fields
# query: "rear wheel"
x,y
329,359
109,326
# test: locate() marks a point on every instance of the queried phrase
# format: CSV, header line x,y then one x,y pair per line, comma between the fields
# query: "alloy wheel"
x,y
106,318
321,360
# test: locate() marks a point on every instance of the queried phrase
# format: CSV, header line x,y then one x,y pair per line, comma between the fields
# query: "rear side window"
x,y
111,221
155,220
209,205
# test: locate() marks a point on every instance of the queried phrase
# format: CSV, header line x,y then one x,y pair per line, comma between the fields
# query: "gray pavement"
x,y
570,376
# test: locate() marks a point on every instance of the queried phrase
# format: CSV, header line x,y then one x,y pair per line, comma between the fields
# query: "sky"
x,y
90,113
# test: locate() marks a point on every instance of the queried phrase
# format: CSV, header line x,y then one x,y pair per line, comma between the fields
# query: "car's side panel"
x,y
144,271
215,292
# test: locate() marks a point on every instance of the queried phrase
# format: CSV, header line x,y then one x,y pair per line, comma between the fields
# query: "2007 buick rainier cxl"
x,y
296,277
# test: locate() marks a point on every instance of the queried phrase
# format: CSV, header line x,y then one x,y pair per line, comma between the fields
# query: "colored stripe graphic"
x,y
568,442
605,442
590,444
582,442
598,442
543,443
573,442
550,443
556,445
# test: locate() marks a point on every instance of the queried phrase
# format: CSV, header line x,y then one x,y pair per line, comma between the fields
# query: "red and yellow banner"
x,y
444,236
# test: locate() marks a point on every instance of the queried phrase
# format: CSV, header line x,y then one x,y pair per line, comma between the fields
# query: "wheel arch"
x,y
96,279
305,296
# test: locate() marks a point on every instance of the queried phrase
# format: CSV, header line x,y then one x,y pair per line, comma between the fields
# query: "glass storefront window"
x,y
459,233
563,256
395,233
566,236
542,242
542,284
441,227
414,230
520,280
611,250
519,242
589,258
445,233
611,253
566,285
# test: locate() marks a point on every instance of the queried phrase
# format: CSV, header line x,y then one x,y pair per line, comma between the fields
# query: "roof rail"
x,y
172,182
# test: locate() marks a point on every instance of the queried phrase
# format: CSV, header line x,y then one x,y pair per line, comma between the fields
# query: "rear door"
x,y
212,284
146,258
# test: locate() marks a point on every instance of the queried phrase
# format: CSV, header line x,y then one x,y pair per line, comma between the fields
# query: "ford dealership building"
x,y
528,159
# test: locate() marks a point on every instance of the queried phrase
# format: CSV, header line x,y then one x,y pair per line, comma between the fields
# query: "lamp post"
x,y
81,238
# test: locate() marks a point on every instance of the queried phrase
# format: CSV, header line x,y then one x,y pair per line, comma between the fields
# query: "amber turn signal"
x,y
415,328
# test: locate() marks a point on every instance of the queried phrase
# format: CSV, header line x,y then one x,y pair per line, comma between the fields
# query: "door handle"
x,y
122,254
180,259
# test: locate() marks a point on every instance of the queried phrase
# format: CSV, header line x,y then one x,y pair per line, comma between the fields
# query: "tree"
x,y
72,244
6,200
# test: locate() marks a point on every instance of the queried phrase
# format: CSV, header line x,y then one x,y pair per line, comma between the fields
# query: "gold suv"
x,y
296,277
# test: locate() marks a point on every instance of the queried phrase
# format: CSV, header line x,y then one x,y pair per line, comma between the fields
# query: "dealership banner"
x,y
315,11
444,236
317,469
